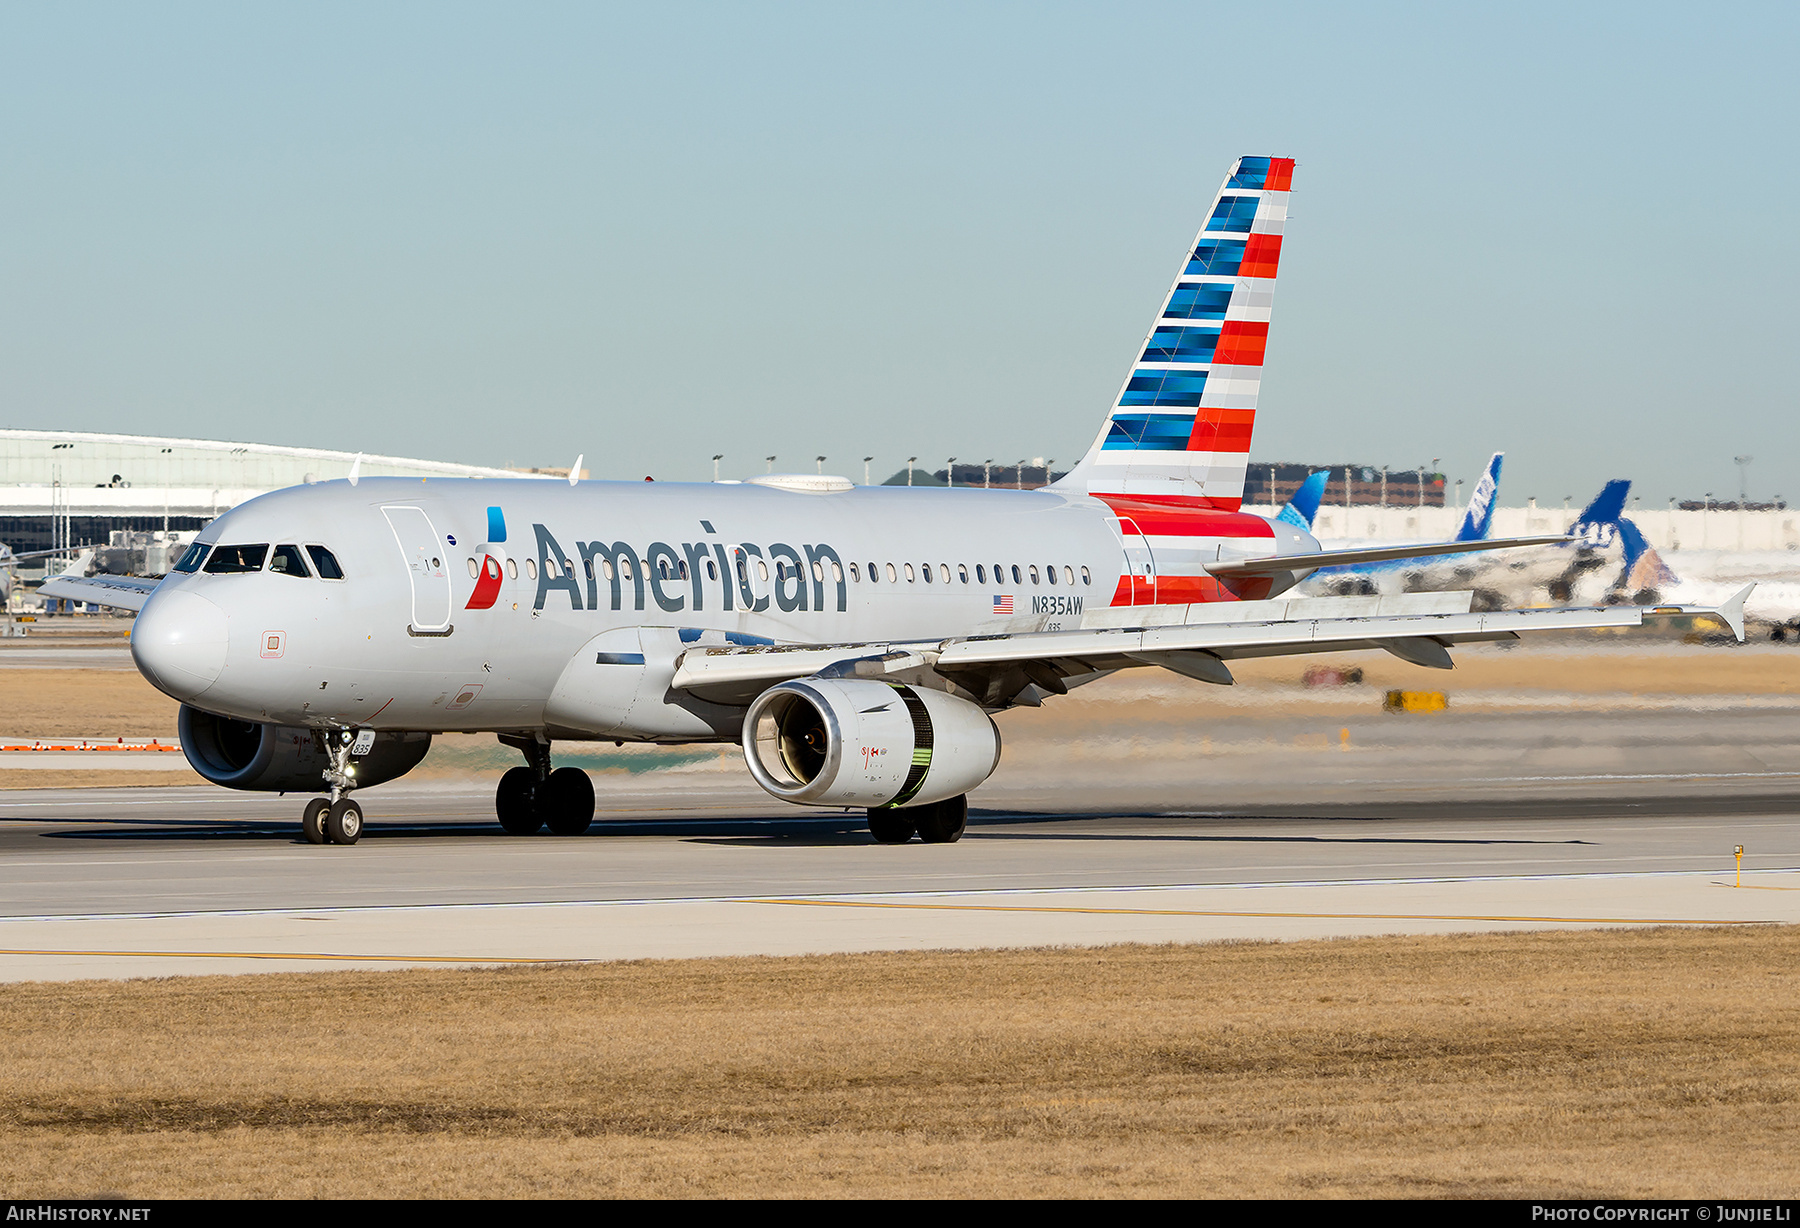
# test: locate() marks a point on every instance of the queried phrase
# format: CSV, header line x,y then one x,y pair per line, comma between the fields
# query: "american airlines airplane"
x,y
855,640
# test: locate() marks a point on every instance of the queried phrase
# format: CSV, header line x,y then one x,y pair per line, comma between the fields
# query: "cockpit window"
x,y
191,560
326,562
288,562
228,560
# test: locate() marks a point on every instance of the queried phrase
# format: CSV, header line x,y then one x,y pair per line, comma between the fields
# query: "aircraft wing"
x,y
1374,554
1000,668
122,592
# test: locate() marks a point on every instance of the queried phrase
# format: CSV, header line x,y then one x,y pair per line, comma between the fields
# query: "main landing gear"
x,y
938,823
534,796
337,819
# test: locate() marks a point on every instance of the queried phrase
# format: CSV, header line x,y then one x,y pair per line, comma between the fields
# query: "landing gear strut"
x,y
535,796
937,823
334,820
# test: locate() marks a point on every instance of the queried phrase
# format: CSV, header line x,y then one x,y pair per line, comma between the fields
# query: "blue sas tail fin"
x,y
1301,509
1479,519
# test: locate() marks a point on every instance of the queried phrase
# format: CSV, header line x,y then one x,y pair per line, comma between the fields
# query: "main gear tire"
x,y
515,802
567,802
891,826
943,822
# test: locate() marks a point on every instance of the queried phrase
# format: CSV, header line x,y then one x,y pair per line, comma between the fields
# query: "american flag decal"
x,y
1003,605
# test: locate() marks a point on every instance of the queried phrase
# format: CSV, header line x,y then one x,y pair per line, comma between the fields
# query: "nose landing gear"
x,y
535,796
335,820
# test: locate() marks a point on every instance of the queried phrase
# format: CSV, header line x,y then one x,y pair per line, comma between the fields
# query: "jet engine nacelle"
x,y
282,758
857,742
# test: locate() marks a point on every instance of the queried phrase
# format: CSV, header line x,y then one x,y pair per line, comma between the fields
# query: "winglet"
x,y
356,469
1733,611
575,470
78,565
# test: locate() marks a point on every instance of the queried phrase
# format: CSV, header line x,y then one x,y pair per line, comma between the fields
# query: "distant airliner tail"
x,y
1606,509
1301,509
1179,430
1478,520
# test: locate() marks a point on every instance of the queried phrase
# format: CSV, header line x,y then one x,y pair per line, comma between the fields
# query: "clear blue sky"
x,y
651,233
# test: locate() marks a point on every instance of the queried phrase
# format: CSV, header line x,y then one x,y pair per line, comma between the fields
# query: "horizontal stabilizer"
x,y
1374,554
120,592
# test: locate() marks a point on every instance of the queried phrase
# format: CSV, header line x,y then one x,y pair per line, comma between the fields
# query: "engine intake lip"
x,y
225,751
771,721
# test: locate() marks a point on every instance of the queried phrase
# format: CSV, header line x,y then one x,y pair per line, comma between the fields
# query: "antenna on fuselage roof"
x,y
575,472
356,469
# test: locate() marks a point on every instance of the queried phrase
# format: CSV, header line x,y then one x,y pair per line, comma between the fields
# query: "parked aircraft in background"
x,y
1300,510
8,575
1423,572
854,640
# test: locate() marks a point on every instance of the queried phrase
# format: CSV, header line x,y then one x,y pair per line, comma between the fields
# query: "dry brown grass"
x,y
83,703
1656,1063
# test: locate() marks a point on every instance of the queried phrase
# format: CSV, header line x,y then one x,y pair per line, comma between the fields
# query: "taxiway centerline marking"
x,y
1297,916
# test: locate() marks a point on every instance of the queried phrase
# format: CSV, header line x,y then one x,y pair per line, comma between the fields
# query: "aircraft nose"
x,y
179,643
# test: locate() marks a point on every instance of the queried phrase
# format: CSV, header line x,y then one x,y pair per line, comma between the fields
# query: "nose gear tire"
x,y
312,820
344,821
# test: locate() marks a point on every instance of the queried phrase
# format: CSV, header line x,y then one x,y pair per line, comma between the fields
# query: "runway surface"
x,y
102,882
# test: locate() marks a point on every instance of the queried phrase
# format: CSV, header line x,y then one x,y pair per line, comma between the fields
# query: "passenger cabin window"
x,y
288,562
325,563
1086,577
191,560
980,574
230,560
1050,573
1018,576
962,572
1034,576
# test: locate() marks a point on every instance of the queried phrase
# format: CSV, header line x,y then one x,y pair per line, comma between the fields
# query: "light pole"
x,y
866,461
1019,474
950,472
771,467
819,462
716,459
1047,465
909,465
1743,463
987,473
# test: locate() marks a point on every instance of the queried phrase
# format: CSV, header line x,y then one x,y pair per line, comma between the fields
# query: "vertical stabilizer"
x,y
1179,430
1301,509
1478,521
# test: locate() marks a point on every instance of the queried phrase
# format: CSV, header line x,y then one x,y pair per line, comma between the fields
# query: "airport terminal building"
x,y
71,488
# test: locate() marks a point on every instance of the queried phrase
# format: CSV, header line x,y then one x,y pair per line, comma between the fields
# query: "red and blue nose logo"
x,y
487,581
487,585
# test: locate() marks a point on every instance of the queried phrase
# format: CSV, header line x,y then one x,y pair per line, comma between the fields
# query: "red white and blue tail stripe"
x,y
1179,431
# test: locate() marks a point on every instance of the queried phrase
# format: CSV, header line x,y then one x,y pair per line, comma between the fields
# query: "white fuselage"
x,y
440,625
